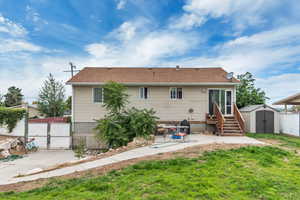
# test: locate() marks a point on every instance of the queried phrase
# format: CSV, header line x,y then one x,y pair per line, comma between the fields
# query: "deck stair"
x,y
231,127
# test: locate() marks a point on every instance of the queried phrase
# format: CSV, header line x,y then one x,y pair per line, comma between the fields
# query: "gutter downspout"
x,y
72,126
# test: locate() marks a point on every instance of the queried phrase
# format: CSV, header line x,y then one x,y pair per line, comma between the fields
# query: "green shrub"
x,y
111,131
141,122
79,149
10,117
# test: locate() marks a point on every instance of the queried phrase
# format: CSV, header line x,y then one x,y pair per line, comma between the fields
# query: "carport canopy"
x,y
291,100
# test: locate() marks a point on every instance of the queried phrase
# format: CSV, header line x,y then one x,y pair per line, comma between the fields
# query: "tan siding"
x,y
159,99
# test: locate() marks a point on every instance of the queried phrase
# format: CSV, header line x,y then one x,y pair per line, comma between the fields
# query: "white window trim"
x,y
225,89
170,89
93,96
148,92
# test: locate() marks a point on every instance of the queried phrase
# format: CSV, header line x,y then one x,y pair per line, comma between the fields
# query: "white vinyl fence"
x,y
290,123
47,135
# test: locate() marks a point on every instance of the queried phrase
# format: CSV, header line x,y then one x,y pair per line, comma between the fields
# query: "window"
x,y
176,93
144,93
98,95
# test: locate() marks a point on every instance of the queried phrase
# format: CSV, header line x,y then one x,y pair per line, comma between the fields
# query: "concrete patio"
x,y
8,173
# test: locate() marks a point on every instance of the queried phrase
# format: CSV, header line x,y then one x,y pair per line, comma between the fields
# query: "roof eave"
x,y
156,83
286,101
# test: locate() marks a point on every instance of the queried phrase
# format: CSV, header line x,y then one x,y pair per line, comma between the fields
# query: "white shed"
x,y
261,119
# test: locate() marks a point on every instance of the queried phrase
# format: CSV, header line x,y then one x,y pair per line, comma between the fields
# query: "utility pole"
x,y
73,67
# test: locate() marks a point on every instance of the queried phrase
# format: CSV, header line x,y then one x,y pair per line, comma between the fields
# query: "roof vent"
x,y
177,67
229,76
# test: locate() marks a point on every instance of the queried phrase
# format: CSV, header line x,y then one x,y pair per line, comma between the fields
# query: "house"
x,y
174,93
32,110
291,100
290,121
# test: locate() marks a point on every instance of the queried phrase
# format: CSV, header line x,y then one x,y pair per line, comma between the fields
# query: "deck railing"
x,y
238,116
220,119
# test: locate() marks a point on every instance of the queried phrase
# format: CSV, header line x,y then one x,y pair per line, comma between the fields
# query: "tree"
x,y
295,108
69,103
247,93
1,100
115,97
13,97
51,100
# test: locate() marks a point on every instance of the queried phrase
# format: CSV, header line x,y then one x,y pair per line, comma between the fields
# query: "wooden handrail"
x,y
238,116
220,118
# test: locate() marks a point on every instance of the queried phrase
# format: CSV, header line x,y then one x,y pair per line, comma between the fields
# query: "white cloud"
x,y
146,50
280,86
30,73
126,31
160,45
14,45
244,13
121,4
15,39
97,49
11,28
276,50
188,21
272,38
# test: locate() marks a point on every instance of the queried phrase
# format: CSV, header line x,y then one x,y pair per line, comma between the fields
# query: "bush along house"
x,y
203,96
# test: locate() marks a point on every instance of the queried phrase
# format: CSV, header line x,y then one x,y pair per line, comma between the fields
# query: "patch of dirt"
x,y
4,137
280,144
190,152
270,141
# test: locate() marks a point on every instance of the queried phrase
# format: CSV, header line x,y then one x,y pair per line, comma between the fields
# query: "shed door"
x,y
264,121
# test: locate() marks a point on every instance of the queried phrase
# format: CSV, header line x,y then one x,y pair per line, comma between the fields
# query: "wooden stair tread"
x,y
232,134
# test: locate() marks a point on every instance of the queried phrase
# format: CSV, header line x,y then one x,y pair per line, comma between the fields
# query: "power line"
x,y
73,67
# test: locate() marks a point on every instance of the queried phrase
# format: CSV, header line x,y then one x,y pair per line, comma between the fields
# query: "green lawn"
x,y
245,173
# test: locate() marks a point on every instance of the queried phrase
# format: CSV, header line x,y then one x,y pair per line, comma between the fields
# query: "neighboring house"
x,y
33,111
174,93
290,121
291,100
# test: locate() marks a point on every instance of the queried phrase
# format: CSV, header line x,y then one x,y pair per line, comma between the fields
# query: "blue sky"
x,y
38,37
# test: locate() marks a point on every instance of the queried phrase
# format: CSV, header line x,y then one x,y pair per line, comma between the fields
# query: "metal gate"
x,y
50,135
264,121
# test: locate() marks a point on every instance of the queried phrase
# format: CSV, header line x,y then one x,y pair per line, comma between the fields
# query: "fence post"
x,y
26,129
71,135
48,135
